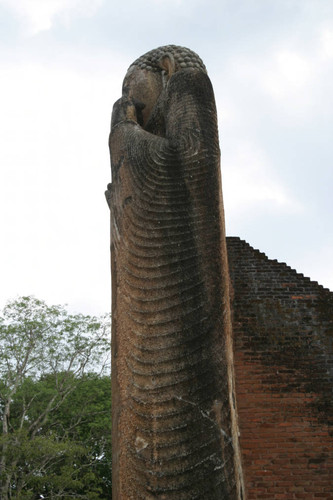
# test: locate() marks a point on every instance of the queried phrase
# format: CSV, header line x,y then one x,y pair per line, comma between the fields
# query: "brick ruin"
x,y
283,333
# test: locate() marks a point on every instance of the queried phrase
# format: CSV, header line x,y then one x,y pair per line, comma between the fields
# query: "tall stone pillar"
x,y
174,418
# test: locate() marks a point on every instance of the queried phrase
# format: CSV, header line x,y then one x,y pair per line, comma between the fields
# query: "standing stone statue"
x,y
174,430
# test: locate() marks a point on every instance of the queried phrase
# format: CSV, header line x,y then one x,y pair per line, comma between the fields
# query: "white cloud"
x,y
285,77
167,2
294,80
39,15
288,73
327,43
248,180
315,263
54,170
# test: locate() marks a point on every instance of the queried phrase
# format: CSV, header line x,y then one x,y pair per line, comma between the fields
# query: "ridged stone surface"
x,y
173,415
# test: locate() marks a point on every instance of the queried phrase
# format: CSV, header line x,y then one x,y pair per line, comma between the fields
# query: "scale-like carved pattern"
x,y
185,58
170,305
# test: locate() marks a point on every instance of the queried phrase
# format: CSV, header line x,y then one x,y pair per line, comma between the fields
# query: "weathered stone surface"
x,y
174,419
283,331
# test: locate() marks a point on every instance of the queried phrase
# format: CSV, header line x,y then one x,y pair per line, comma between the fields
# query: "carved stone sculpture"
x,y
174,418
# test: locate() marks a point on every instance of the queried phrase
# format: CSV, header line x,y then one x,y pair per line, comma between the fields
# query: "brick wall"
x,y
283,331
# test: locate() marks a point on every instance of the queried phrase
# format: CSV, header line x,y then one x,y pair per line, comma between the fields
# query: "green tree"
x,y
54,403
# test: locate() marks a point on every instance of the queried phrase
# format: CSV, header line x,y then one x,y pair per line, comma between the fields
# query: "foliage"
x,y
54,407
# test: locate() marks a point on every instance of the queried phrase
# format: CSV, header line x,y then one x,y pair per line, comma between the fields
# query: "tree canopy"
x,y
55,403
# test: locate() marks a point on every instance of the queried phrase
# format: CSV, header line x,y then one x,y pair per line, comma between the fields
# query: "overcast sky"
x,y
62,63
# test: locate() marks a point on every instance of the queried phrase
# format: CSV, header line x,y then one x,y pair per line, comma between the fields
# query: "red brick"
x,y
282,363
